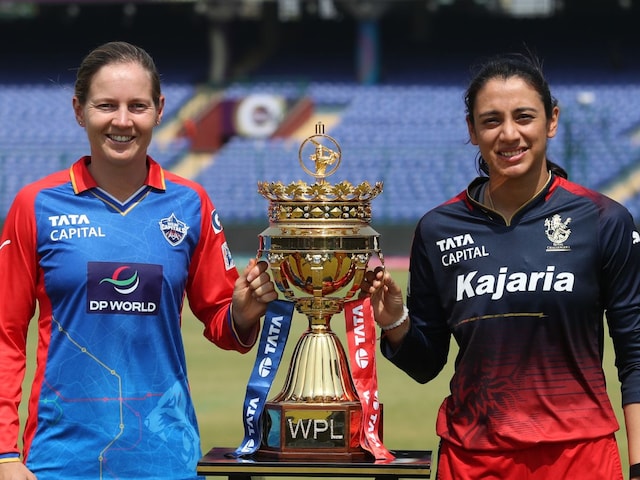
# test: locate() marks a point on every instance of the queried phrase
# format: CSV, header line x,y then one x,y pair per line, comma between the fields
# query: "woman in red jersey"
x,y
109,250
528,397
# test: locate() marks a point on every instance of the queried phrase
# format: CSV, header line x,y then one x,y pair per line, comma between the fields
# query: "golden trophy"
x,y
318,245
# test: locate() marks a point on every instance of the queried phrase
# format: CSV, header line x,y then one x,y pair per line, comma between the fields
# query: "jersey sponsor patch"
x,y
228,258
215,222
127,288
505,282
174,230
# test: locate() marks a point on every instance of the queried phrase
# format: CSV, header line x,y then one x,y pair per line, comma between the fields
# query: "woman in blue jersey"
x,y
109,250
520,269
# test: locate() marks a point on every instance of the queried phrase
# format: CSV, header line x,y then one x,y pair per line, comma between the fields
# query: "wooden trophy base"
x,y
312,431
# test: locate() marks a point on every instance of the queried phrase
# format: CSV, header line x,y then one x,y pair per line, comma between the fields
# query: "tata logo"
x,y
457,241
72,226
265,366
362,358
68,220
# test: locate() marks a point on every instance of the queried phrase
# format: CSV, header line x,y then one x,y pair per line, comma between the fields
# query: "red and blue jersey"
x,y
110,397
524,300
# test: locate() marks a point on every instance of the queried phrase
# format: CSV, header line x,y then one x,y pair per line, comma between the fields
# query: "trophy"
x,y
318,245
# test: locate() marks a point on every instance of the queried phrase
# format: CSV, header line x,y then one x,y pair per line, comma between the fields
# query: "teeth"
x,y
121,138
511,153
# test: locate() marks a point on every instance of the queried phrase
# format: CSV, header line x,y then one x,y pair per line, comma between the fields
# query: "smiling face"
x,y
119,114
511,129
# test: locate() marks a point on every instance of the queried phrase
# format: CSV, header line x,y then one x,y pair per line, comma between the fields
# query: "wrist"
x,y
397,323
9,460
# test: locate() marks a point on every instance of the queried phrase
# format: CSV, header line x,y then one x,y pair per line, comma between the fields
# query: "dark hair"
x,y
527,67
115,52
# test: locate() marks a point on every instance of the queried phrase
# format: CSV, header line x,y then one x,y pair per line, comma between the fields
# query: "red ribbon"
x,y
361,339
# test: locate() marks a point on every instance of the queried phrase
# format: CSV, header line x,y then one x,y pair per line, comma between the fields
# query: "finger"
x,y
250,271
265,293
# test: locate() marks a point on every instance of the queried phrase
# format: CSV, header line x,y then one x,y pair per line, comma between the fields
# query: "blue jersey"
x,y
110,397
525,301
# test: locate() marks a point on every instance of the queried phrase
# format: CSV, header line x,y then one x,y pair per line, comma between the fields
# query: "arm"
x,y
420,345
230,305
632,422
621,288
18,256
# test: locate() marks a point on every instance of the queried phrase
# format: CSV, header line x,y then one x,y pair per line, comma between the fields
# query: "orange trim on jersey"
x,y
82,180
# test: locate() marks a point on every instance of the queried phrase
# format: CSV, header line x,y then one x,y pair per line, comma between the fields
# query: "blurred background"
x,y
247,80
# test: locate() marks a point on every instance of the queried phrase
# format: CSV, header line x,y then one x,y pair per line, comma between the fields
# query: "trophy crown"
x,y
319,200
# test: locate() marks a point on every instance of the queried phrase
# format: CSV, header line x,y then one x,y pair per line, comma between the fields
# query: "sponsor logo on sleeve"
x,y
131,288
4,244
228,258
215,222
635,236
174,230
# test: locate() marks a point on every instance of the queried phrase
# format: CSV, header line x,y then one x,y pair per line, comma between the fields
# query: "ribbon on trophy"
x,y
273,339
361,339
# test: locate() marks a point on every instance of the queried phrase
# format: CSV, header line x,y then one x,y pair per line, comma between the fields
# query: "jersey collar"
x,y
82,180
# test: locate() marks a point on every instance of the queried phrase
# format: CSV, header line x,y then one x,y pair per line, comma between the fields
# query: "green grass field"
x,y
219,378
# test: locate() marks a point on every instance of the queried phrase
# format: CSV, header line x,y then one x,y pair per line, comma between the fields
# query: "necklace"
x,y
490,199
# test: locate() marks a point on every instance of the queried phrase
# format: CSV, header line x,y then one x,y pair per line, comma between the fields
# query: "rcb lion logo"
x,y
557,232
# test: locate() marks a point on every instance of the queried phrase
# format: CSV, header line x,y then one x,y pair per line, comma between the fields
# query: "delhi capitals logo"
x,y
174,230
126,285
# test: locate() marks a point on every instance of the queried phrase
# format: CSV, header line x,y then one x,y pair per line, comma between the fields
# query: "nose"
x,y
122,117
509,130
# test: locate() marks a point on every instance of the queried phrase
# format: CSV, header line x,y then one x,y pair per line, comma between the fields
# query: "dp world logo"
x,y
123,282
129,288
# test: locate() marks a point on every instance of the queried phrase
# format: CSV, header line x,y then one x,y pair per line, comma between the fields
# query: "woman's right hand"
x,y
15,471
386,300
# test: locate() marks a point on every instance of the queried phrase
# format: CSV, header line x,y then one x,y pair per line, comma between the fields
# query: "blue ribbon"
x,y
273,339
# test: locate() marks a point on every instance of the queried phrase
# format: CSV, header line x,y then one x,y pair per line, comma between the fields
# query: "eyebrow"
x,y
497,112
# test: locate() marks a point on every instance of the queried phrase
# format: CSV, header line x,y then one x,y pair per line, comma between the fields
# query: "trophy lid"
x,y
319,201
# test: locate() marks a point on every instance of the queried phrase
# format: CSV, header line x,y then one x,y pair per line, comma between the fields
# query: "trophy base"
x,y
312,431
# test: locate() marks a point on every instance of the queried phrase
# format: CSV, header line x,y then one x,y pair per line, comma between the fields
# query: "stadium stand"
x,y
411,137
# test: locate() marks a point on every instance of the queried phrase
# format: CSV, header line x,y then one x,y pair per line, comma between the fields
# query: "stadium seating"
x,y
412,137
39,134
